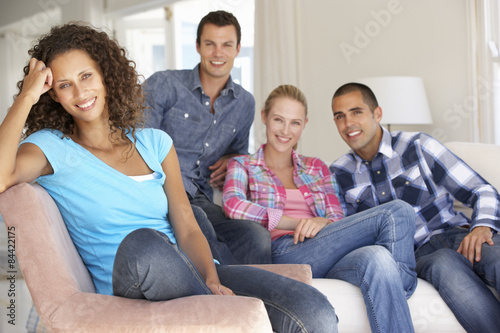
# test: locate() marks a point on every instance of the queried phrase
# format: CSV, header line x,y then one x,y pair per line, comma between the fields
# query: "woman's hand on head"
x,y
38,81
219,289
308,228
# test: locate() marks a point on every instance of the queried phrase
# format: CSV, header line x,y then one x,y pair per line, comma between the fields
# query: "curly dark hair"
x,y
124,96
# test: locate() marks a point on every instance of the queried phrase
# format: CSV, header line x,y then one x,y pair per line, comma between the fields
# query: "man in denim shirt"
x,y
209,117
459,256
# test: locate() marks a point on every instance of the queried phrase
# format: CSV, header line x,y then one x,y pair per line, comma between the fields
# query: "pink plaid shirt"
x,y
253,192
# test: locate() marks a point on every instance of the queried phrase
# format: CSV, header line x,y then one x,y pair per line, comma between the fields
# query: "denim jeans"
x,y
372,249
149,266
461,284
231,241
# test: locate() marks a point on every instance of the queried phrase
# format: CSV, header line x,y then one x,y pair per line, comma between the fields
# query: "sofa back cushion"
x,y
481,157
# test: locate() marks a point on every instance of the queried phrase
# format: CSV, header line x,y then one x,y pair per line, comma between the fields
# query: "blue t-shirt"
x,y
101,205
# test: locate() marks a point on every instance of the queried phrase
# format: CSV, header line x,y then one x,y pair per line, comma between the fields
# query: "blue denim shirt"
x,y
181,108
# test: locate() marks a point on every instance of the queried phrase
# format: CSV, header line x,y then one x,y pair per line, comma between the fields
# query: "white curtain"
x,y
486,42
277,28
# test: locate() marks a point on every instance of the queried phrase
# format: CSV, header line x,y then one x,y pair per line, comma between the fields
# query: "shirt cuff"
x,y
274,217
485,223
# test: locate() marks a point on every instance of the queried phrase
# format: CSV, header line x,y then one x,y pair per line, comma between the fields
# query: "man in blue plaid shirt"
x,y
460,257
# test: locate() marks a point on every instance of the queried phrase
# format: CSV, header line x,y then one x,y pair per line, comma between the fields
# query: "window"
x,y
144,36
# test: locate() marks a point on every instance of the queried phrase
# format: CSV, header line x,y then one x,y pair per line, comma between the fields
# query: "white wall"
x,y
33,12
13,11
426,38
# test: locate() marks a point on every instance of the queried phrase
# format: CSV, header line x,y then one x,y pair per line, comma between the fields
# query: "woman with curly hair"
x,y
118,186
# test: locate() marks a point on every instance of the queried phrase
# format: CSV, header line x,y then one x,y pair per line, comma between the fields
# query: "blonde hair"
x,y
285,90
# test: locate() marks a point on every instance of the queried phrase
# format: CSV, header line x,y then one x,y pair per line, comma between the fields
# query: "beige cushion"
x,y
481,157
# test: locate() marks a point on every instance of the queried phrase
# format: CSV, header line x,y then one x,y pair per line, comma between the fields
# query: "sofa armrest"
x,y
87,312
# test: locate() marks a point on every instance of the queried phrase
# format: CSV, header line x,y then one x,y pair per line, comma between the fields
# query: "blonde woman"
x,y
295,198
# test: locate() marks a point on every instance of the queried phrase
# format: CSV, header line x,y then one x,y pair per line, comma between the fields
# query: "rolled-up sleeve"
x,y
237,205
333,207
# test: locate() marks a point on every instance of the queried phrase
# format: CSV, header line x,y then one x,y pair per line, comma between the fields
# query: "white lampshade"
x,y
402,99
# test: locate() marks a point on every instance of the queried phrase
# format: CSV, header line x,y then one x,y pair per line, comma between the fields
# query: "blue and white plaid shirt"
x,y
420,170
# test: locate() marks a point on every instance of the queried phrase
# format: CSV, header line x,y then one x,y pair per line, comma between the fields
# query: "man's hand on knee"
x,y
472,243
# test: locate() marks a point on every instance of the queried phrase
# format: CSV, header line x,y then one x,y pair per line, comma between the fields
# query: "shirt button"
x,y
357,200
207,103
383,193
215,122
378,172
186,115
198,162
306,194
206,144
234,130
407,183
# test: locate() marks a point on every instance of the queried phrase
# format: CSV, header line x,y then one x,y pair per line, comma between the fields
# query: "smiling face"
x,y
218,48
284,123
357,124
78,86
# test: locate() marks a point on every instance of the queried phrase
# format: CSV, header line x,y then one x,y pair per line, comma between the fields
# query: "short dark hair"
x,y
220,18
367,94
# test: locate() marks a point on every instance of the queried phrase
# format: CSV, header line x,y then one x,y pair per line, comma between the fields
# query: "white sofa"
x,y
428,310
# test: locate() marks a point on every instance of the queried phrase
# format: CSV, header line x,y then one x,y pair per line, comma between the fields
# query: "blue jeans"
x,y
372,249
461,284
231,241
149,266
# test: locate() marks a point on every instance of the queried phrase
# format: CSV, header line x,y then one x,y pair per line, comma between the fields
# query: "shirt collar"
x,y
195,83
385,148
258,159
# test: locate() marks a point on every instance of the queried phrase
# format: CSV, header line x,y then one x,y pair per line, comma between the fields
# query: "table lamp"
x,y
402,99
